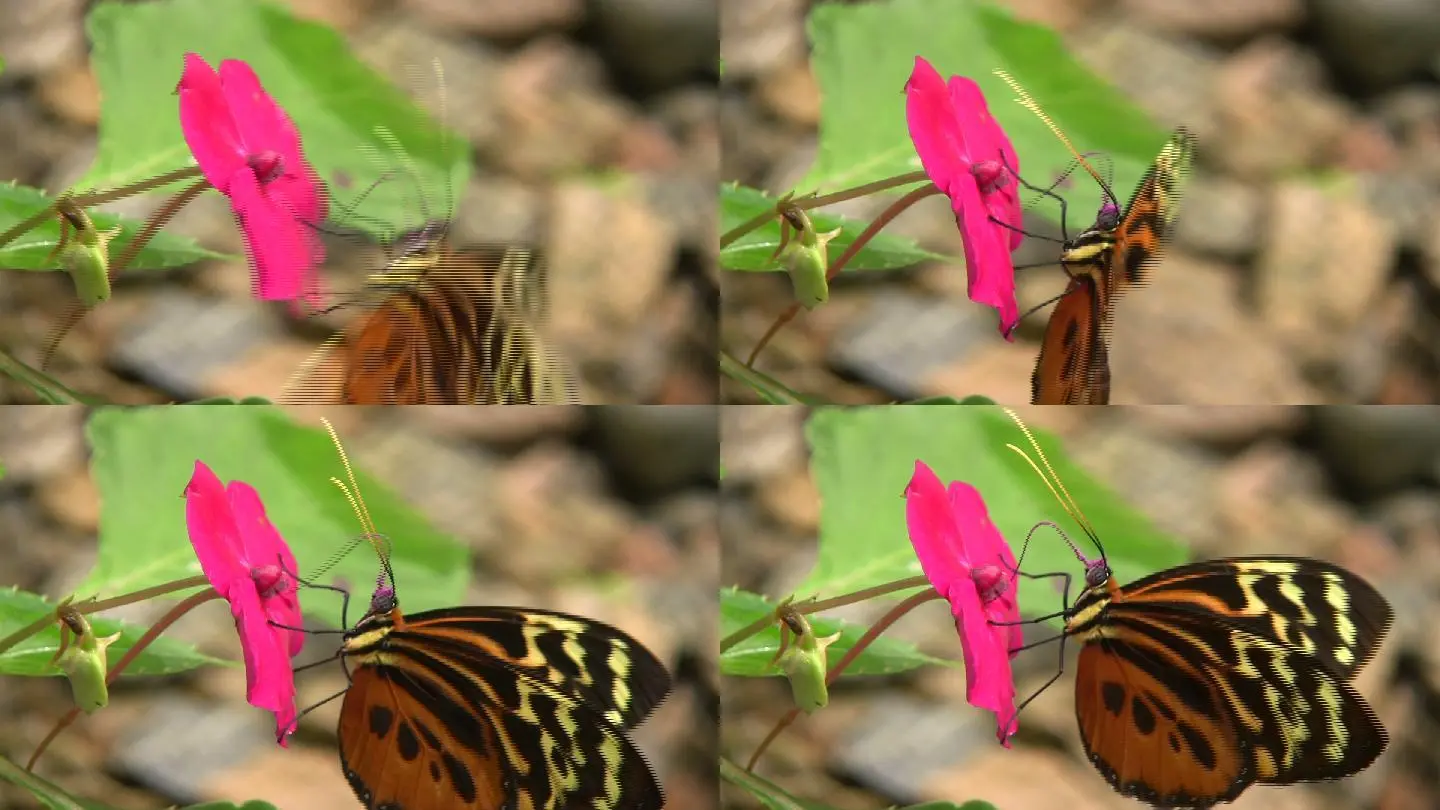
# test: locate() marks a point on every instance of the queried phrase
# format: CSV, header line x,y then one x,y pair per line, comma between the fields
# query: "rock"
x,y
903,338
659,43
1379,450
1220,217
1324,263
1377,43
1177,83
498,19
183,342
1276,113
467,88
1216,19
610,254
1168,336
38,38
792,93
758,36
497,208
655,451
757,443
554,119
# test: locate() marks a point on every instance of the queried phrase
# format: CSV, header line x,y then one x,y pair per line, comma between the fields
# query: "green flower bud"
x,y
805,666
84,664
87,260
807,261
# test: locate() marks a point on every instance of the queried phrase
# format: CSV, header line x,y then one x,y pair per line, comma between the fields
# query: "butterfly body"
x,y
1196,682
1103,262
496,708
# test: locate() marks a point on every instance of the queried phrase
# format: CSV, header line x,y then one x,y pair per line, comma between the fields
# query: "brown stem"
x,y
77,310
94,605
865,236
815,606
805,203
180,609
850,655
99,197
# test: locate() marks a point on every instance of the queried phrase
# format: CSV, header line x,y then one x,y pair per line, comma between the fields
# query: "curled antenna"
x,y
378,541
1030,104
1057,488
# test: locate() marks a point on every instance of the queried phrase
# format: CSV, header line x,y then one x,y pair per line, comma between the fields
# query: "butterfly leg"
x,y
1060,662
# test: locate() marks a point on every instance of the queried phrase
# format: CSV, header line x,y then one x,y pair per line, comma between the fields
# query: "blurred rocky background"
x,y
554,96
1358,486
1306,268
559,506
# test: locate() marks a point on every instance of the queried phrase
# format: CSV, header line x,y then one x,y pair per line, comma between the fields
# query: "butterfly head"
x,y
1108,218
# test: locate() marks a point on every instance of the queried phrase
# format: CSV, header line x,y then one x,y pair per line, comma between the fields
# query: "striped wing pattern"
x,y
490,707
1200,680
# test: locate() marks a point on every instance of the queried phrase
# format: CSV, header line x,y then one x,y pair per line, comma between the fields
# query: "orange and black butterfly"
x,y
1198,681
437,323
493,708
1103,262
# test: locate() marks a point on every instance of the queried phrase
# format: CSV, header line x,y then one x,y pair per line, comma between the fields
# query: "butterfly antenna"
x,y
1030,104
1056,486
445,136
352,494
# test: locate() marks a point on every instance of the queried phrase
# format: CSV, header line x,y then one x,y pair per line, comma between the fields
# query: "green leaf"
x,y
751,657
753,251
28,251
862,459
31,656
50,795
770,795
770,390
335,100
143,458
863,54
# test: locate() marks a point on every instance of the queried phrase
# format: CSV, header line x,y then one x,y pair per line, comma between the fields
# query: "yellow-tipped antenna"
x,y
1033,106
1055,485
352,493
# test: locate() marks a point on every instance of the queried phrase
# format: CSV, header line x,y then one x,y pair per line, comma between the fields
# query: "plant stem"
x,y
185,606
850,655
95,605
815,606
807,203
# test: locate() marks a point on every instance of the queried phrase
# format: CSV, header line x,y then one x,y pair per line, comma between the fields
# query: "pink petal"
x,y
212,530
279,247
988,681
988,265
265,546
933,533
205,120
934,129
269,679
262,123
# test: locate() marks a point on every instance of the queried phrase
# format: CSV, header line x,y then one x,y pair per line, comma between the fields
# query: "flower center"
x,y
270,580
991,581
990,175
267,165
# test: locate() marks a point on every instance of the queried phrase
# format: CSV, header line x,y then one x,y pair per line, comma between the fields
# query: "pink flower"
x,y
969,563
249,564
969,157
250,151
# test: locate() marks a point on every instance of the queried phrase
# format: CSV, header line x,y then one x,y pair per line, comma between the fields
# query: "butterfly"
x,y
490,708
439,324
1103,262
495,708
1195,682
449,326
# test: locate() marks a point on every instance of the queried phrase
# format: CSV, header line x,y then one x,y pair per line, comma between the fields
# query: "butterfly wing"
x,y
405,743
1155,726
530,708
1148,223
1073,366
1302,721
1313,607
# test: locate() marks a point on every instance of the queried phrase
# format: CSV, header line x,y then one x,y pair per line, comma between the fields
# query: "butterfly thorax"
x,y
1086,617
367,641
1088,248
